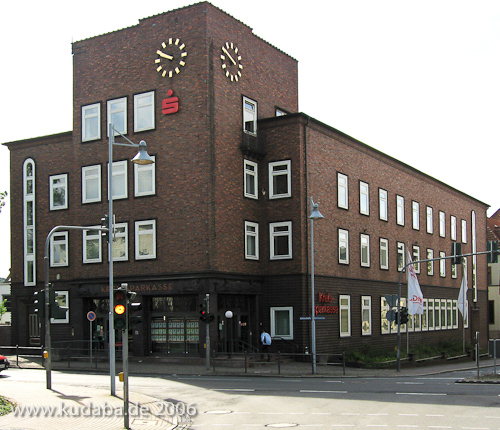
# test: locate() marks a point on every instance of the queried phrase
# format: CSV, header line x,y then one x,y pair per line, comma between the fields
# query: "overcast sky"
x,y
417,80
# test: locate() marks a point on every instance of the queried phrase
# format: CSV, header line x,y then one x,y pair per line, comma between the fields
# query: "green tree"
x,y
3,196
3,309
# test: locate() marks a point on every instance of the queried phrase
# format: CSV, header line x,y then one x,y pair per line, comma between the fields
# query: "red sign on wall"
x,y
325,309
170,105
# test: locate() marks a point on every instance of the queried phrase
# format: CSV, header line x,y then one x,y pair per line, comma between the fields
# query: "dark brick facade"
x,y
199,205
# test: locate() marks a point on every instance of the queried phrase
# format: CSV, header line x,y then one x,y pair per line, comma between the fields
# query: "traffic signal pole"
x,y
207,336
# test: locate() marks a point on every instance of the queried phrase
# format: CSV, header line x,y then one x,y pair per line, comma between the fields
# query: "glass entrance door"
x,y
170,335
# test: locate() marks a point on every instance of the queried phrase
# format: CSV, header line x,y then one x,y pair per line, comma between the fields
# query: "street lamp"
x,y
315,215
141,158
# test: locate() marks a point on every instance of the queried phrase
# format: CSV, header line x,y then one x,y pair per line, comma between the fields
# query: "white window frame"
x,y
117,107
92,235
274,173
453,227
144,102
442,264
29,204
455,313
59,239
425,317
365,250
364,198
86,116
442,224
416,257
437,314
464,231
342,191
90,177
249,116
345,308
139,233
429,218
400,210
65,301
454,271
449,314
274,332
366,315
401,257
415,209
273,235
142,170
120,175
53,186
444,315
430,264
250,178
383,204
251,232
120,235
343,240
384,251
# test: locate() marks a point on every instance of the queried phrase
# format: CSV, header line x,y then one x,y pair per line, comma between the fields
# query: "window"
x,y
280,112
455,313
120,242
59,249
365,250
144,179
425,316
364,198
62,299
442,224
280,182
430,264
464,231
366,315
282,322
430,224
454,271
401,256
29,222
144,115
145,240
345,315
437,314
343,246
382,204
449,313
453,227
250,179
91,184
92,246
249,116
251,240
430,313
58,192
342,191
119,180
444,315
280,240
384,254
117,115
416,257
442,264
400,210
91,122
415,209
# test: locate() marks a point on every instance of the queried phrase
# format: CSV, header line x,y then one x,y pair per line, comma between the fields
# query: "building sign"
x,y
170,105
325,307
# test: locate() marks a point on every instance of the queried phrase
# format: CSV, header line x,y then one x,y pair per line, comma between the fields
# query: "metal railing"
x,y
31,352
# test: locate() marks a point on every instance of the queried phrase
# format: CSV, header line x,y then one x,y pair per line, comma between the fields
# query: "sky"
x,y
417,80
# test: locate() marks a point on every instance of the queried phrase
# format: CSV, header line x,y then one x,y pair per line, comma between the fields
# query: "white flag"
x,y
462,295
415,296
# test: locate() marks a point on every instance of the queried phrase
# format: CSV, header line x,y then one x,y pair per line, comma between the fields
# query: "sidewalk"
x,y
84,407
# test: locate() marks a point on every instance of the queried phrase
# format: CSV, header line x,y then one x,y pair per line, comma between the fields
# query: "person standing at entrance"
x,y
265,340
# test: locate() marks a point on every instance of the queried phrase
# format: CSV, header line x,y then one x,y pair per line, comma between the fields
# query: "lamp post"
x,y
315,215
229,331
141,158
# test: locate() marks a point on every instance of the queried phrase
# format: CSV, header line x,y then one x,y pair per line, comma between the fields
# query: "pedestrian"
x,y
265,340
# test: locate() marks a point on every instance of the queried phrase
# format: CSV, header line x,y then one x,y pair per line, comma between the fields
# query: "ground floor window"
x,y
282,322
345,315
366,315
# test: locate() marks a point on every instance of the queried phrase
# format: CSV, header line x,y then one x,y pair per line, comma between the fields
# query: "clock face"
x,y
170,58
231,61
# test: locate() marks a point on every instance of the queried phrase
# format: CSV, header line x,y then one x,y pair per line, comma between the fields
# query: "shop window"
x,y
342,191
92,246
144,115
455,313
119,184
343,246
250,179
280,179
400,210
425,316
384,254
145,240
282,322
430,313
117,115
145,179
345,315
58,192
365,250
437,314
366,315
120,242
249,116
280,240
251,240
91,122
59,249
91,184
382,204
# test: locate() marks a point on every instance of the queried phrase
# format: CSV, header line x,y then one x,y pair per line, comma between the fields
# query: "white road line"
x,y
323,391
407,426
439,427
429,415
377,415
349,414
342,425
232,389
475,428
408,415
410,383
423,394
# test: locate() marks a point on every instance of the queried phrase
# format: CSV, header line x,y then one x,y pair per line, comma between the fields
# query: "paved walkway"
x,y
87,407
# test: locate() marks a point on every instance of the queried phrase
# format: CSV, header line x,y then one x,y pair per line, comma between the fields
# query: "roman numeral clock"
x,y
231,61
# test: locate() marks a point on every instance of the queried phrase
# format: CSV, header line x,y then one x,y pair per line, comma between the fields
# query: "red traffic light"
x,y
119,309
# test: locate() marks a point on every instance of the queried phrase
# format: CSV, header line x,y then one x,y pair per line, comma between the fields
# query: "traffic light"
x,y
456,252
404,315
203,310
133,310
493,251
56,310
40,303
105,224
120,308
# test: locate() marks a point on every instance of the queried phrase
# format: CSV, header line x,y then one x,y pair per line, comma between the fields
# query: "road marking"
x,y
475,428
323,391
349,414
342,425
439,427
423,394
377,415
428,415
408,415
232,389
321,413
407,426
410,383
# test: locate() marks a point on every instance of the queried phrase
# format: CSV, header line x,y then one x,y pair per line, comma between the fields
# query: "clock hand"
x,y
161,54
227,53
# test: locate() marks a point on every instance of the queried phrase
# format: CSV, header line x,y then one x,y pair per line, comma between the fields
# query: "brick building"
x,y
224,209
